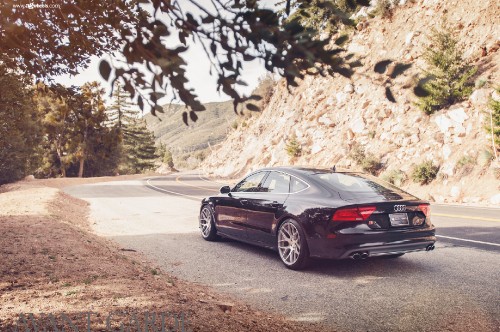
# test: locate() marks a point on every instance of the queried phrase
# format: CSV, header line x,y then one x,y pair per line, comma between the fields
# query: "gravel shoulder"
x,y
52,263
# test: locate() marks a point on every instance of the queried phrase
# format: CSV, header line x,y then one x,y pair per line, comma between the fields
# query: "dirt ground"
x,y
54,267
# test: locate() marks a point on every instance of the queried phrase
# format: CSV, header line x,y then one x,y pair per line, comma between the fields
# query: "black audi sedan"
x,y
306,212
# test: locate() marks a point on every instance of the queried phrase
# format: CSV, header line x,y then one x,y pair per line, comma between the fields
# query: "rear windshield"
x,y
354,184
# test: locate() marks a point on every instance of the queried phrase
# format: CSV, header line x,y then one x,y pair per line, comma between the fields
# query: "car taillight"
x,y
353,214
426,209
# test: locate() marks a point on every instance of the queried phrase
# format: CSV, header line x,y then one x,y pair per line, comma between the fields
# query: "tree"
x,y
20,133
90,117
168,158
449,78
60,40
121,108
75,131
139,152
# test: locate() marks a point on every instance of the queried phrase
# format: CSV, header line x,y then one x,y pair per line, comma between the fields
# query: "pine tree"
x,y
138,147
20,133
121,110
449,76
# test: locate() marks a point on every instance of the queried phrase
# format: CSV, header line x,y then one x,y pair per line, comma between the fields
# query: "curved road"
x,y
453,288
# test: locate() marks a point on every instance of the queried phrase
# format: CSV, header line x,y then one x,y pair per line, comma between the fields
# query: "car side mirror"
x,y
225,190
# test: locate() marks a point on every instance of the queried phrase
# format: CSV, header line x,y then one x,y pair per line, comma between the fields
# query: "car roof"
x,y
302,170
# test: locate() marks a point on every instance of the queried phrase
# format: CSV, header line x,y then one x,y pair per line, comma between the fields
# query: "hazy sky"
x,y
197,68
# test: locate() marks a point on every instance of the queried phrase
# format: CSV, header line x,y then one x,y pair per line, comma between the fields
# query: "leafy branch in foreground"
x,y
150,44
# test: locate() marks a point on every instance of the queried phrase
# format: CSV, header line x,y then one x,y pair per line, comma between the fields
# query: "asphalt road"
x,y
453,288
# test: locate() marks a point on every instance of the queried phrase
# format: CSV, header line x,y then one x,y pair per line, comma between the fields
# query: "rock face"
x,y
330,116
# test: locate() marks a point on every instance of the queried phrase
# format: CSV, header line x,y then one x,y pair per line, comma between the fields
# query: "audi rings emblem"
x,y
399,208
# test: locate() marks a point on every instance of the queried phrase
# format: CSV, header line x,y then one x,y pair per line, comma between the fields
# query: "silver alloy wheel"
x,y
289,243
205,222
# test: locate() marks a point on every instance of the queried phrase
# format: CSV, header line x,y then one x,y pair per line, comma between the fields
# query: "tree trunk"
x,y
80,171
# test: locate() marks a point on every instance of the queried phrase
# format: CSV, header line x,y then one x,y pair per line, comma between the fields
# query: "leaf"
x,y
140,103
419,90
341,40
252,107
193,116
208,19
185,118
399,69
104,69
389,95
255,97
159,109
346,72
381,66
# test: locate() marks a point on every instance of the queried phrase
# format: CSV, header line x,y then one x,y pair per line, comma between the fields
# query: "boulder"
x,y
357,125
457,116
495,200
443,122
480,97
446,152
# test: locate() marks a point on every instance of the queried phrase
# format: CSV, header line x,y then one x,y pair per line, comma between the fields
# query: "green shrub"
x,y
368,162
484,158
168,159
395,177
293,147
371,164
425,172
449,78
357,154
465,165
383,9
494,123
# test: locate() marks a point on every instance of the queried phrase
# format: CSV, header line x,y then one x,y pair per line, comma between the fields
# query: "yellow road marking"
x,y
463,217
177,179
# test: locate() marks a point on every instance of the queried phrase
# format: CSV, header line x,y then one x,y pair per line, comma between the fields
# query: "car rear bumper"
x,y
347,245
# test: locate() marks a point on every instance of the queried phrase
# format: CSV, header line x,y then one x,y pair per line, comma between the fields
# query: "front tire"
x,y
207,225
292,245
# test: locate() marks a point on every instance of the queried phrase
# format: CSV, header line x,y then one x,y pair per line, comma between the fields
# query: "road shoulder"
x,y
53,264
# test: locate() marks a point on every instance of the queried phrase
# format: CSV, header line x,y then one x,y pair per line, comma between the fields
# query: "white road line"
x,y
171,192
466,240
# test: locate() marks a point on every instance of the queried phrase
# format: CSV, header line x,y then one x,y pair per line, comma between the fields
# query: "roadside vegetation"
x,y
395,177
449,77
367,161
425,172
293,147
59,131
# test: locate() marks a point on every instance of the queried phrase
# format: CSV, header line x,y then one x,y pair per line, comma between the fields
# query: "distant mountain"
x,y
212,126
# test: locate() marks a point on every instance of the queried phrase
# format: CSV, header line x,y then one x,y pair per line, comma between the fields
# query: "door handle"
x,y
243,201
275,204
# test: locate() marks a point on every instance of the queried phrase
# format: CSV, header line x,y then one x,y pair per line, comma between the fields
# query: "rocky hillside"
x,y
335,120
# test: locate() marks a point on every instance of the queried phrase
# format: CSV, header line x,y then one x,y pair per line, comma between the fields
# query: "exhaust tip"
x,y
356,256
364,255
430,247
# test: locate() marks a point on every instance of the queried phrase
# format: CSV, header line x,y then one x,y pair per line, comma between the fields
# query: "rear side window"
x,y
277,183
297,185
360,184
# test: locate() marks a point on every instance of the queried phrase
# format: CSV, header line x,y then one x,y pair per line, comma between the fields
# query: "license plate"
x,y
399,219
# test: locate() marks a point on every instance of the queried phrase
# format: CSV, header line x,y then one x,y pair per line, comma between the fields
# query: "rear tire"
x,y
207,224
292,245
